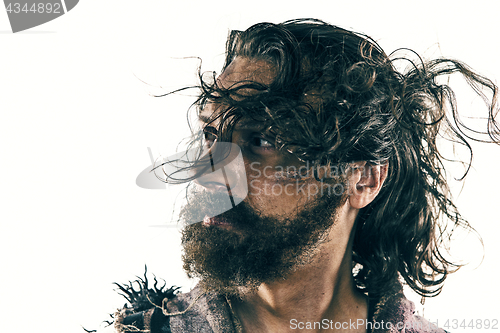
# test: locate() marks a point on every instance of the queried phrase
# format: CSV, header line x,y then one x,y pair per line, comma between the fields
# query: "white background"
x,y
76,123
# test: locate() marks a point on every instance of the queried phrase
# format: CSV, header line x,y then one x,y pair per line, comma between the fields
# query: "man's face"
x,y
281,222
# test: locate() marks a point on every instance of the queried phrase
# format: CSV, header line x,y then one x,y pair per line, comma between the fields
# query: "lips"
x,y
216,221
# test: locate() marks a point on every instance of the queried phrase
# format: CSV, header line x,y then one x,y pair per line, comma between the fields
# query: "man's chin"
x,y
214,253
233,262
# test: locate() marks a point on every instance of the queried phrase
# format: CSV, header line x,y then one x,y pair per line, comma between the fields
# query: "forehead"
x,y
240,71
243,69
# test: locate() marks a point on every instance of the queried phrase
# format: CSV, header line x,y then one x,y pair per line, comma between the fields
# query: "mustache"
x,y
202,203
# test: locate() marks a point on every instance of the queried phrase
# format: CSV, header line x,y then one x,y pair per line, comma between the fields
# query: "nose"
x,y
217,184
222,169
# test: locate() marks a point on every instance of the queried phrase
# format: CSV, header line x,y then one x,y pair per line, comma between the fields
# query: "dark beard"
x,y
257,249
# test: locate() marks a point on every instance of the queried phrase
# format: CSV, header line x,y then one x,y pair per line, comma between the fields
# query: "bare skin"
x,y
324,290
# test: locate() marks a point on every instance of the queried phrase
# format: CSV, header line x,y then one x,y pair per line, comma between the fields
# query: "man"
x,y
346,199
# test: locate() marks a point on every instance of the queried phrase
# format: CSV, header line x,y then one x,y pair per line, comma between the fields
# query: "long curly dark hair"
x,y
337,98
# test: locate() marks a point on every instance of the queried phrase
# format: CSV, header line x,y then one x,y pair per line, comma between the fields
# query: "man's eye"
x,y
261,143
209,136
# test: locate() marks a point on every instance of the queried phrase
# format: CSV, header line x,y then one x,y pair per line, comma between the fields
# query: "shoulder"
x,y
195,311
199,311
396,311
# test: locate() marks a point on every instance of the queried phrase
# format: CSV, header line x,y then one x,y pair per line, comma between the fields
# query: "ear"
x,y
367,180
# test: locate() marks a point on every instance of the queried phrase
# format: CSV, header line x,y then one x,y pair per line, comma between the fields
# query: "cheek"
x,y
276,196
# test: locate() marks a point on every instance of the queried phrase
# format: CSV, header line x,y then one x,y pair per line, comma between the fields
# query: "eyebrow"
x,y
242,124
247,125
203,118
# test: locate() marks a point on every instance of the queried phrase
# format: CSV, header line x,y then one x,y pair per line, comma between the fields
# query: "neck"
x,y
322,291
